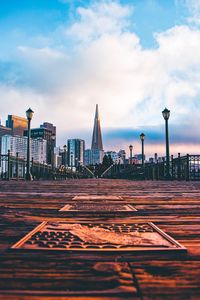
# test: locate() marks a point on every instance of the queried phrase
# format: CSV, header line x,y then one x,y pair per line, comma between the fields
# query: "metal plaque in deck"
x,y
97,197
98,207
102,237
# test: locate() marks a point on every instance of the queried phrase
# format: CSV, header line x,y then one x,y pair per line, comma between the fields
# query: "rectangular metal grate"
x,y
98,237
97,197
97,207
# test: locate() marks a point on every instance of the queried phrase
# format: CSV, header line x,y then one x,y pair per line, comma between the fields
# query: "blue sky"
x,y
41,17
61,57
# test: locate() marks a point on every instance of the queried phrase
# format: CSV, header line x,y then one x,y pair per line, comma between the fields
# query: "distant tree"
x,y
105,162
110,160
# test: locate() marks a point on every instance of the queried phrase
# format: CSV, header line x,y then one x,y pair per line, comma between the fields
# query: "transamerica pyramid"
x,y
96,137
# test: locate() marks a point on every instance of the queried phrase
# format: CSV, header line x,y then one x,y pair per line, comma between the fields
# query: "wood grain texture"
x,y
172,206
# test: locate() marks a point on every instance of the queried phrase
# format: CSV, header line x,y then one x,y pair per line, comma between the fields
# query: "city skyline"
x,y
88,52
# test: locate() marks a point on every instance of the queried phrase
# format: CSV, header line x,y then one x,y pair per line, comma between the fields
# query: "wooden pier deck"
x,y
173,206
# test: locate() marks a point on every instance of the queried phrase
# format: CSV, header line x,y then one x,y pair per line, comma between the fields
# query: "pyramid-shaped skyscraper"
x,y
96,137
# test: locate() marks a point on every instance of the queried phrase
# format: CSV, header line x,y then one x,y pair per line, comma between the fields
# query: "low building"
x,y
138,158
122,155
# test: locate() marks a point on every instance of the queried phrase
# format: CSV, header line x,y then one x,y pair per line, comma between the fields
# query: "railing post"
x,y
17,165
158,170
32,167
188,168
172,167
179,166
153,171
8,177
24,167
164,168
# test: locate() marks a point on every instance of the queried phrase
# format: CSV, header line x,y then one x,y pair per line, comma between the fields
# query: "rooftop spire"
x,y
96,137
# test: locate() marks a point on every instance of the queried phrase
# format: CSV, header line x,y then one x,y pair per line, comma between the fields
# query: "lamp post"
x,y
131,154
29,115
53,138
65,151
142,136
166,114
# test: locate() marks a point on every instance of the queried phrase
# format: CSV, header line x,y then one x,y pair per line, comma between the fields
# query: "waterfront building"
x,y
3,131
76,149
17,124
114,156
138,158
47,132
18,144
88,157
122,155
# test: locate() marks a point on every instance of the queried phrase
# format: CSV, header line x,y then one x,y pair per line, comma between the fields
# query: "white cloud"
x,y
106,17
194,9
109,66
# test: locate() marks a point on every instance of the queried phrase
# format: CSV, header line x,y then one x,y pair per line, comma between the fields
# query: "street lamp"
x,y
65,150
53,138
29,115
166,115
142,136
131,153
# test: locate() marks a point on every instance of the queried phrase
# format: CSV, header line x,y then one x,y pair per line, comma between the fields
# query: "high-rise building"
x,y
96,137
17,124
97,152
18,144
58,157
3,131
88,157
47,132
76,149
50,127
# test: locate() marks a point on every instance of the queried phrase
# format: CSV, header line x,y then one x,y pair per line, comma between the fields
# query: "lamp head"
x,y
29,114
166,113
142,136
131,147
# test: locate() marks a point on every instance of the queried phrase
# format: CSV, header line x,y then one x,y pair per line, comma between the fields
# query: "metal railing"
x,y
15,168
181,168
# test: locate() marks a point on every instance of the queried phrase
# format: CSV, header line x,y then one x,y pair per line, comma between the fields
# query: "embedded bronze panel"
x,y
98,207
68,236
97,197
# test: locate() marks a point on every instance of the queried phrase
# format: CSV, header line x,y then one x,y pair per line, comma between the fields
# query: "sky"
x,y
133,58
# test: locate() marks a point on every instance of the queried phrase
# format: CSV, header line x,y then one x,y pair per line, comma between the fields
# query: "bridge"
x,y
49,249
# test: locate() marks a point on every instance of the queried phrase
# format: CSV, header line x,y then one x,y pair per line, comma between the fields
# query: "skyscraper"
x,y
97,152
76,149
17,124
48,132
18,144
96,137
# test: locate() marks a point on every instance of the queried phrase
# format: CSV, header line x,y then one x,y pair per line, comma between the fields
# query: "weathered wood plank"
x,y
173,206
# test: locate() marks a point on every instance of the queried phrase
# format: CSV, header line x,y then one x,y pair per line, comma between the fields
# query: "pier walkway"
x,y
174,207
